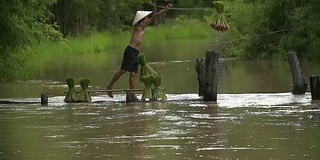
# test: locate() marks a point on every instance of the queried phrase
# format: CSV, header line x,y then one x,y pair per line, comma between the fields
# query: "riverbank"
x,y
96,42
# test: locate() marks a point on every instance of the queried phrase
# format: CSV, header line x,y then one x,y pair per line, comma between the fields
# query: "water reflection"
x,y
249,128
179,77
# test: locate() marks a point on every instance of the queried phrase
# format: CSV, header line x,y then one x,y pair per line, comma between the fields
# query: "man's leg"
x,y
114,79
132,82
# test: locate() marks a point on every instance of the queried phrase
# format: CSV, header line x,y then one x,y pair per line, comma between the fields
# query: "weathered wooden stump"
x,y
211,77
299,83
315,87
44,99
129,97
200,66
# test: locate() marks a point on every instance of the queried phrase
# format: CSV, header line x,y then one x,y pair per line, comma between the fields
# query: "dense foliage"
x,y
259,29
23,22
78,16
269,29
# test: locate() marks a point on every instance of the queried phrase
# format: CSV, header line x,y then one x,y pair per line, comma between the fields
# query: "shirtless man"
x,y
130,62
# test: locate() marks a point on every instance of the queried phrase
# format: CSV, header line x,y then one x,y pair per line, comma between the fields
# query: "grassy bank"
x,y
26,64
102,41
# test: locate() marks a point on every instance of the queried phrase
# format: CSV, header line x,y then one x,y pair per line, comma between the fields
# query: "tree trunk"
x,y
299,84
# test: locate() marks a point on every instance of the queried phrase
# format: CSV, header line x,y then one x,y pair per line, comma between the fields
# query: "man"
x,y
130,62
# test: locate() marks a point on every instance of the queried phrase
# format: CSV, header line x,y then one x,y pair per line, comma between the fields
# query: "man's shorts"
x,y
130,60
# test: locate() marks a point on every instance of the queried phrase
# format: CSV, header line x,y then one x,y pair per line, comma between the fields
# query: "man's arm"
x,y
157,15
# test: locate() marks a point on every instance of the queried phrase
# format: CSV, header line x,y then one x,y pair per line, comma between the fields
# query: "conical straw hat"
x,y
140,15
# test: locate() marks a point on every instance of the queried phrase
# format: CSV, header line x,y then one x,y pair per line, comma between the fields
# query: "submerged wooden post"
x,y
129,96
44,99
315,87
201,75
299,83
211,78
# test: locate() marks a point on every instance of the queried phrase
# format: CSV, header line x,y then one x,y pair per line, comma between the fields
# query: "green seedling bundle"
x,y
83,95
152,81
219,23
73,96
157,92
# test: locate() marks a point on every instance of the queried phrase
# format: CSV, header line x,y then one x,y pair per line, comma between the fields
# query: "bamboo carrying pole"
x,y
315,87
299,83
115,90
129,93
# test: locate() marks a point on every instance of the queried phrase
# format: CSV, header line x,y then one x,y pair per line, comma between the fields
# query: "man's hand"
x,y
156,15
168,6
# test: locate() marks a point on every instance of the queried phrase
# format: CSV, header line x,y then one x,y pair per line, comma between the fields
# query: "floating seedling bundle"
x,y
219,22
147,92
83,95
73,95
148,76
157,92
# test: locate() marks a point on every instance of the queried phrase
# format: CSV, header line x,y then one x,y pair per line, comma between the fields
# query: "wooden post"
x,y
201,75
299,83
315,87
129,96
44,99
211,78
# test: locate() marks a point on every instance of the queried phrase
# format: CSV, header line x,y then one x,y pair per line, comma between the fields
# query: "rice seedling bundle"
x,y
150,77
147,92
84,95
219,22
157,92
145,69
71,95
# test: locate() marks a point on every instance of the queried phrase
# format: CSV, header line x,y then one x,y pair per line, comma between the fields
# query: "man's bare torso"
x,y
137,36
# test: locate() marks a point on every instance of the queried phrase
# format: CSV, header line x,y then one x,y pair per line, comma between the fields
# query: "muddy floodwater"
x,y
239,126
255,117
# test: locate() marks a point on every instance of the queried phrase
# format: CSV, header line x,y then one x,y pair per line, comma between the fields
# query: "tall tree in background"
x,y
271,24
279,26
304,34
75,17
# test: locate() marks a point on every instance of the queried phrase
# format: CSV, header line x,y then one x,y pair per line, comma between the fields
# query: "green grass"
x,y
103,41
96,42
190,29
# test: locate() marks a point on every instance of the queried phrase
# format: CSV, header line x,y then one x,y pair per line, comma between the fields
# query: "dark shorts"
x,y
130,60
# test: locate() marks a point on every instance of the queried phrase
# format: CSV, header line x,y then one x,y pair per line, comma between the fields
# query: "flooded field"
x,y
255,117
239,126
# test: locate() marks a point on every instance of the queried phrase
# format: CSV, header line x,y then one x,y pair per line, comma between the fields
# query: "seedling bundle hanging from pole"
x,y
219,22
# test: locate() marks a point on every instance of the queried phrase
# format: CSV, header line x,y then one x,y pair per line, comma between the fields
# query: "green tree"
x,y
23,23
269,29
76,17
303,36
271,25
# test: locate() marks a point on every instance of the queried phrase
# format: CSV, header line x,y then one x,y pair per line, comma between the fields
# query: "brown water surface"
x,y
256,116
